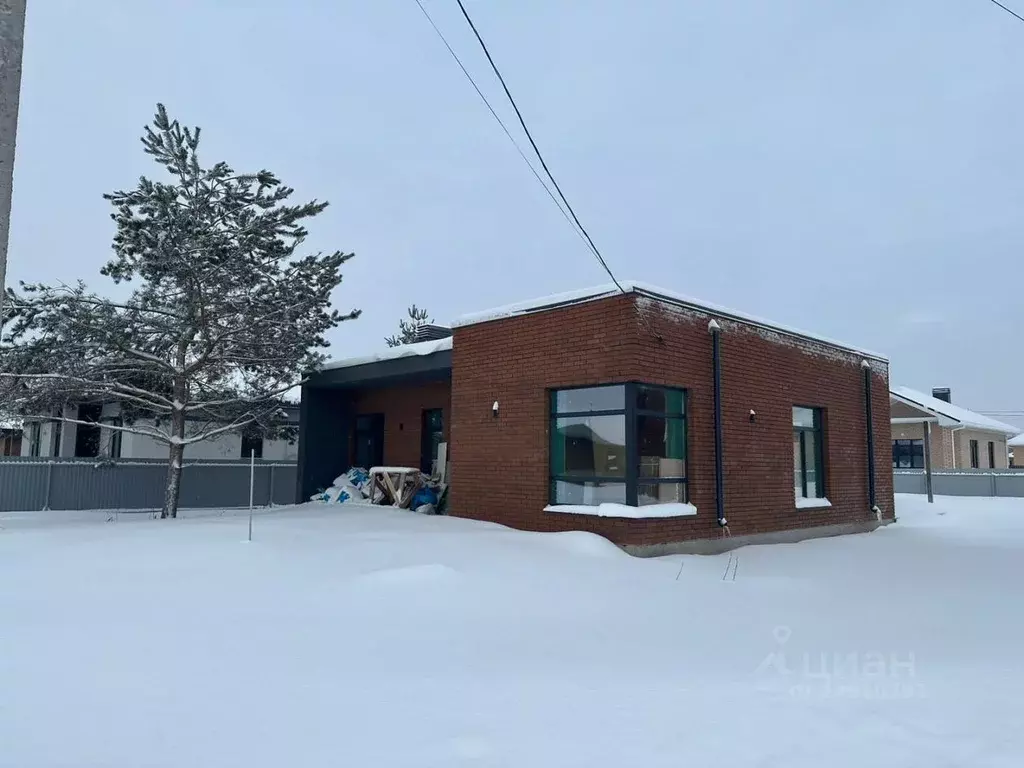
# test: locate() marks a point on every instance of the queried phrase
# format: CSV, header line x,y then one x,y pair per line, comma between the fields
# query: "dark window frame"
x,y
35,439
58,436
975,454
906,447
818,429
630,412
253,439
991,454
428,448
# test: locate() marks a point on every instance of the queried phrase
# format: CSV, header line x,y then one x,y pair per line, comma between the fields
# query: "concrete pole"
x,y
928,460
12,39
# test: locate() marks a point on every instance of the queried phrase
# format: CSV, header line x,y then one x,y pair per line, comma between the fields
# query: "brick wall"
x,y
501,470
403,416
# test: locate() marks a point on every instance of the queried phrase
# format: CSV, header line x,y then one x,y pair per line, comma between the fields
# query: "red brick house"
x,y
597,411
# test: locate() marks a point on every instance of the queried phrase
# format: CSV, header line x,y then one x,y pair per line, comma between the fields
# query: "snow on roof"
x,y
1016,442
951,415
557,300
393,353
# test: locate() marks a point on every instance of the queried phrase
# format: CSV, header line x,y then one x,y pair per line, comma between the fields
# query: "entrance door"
x,y
369,441
431,436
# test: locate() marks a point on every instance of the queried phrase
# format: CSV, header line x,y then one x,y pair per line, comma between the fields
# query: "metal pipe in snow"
x,y
12,38
716,357
252,486
871,434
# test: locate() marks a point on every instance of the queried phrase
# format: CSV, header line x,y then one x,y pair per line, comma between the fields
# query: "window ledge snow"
x,y
813,503
622,510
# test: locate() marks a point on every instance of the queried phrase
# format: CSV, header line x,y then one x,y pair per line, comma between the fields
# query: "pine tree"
x,y
407,328
225,316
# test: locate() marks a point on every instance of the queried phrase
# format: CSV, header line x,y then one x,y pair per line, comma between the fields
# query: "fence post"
x,y
993,477
49,485
270,499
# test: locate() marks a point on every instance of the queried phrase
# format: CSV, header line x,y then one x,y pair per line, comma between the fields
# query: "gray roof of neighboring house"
x,y
1016,442
950,415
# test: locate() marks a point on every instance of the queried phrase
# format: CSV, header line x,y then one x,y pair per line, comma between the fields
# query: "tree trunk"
x,y
177,451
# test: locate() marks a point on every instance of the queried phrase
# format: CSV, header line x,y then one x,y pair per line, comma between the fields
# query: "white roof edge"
x,y
1016,442
419,349
595,293
943,420
950,415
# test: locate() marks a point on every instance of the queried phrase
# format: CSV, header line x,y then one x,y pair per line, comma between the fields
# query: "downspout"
x,y
716,356
873,506
952,442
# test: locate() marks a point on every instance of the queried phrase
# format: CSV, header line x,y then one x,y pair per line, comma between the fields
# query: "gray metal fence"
x,y
963,482
28,484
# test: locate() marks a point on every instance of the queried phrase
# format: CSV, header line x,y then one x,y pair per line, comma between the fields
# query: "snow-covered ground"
x,y
348,636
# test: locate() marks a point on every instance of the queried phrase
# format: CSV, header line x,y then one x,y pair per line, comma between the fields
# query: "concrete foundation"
x,y
726,543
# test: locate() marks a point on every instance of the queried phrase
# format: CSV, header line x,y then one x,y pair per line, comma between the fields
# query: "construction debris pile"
x,y
402,487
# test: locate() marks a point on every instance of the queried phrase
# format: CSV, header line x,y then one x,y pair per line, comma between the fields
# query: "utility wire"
x,y
504,128
1009,11
536,149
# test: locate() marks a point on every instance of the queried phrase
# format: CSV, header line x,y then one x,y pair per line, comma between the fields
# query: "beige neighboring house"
x,y
1016,450
960,439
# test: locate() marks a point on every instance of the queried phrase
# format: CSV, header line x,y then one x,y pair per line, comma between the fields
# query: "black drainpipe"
x,y
871,433
716,354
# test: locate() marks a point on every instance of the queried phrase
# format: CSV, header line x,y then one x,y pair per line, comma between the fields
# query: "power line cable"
x,y
500,122
1008,10
536,149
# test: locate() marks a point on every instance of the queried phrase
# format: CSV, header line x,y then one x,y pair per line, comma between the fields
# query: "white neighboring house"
x,y
67,439
1016,445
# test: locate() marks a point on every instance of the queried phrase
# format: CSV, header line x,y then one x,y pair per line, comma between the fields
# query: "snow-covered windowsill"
x,y
623,510
813,503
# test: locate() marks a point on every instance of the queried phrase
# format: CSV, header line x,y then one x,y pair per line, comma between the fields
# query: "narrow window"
x,y
991,455
975,463
34,438
808,453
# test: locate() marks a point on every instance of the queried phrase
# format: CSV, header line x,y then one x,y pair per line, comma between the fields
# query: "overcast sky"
x,y
850,168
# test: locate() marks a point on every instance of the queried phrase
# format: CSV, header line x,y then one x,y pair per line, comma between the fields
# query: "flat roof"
x,y
423,361
558,300
419,349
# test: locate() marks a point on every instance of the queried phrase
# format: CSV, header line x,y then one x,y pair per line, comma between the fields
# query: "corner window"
x,y
975,463
908,454
808,452
991,455
624,443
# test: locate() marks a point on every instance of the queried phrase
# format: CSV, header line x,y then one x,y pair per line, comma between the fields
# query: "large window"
x,y
623,443
908,454
808,453
975,462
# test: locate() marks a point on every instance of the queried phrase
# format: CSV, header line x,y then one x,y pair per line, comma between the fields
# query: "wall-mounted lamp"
x,y
753,415
494,409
